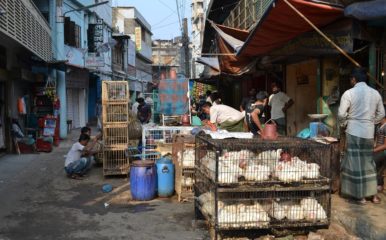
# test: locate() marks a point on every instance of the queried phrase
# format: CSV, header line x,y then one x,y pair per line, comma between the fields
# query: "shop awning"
x,y
279,25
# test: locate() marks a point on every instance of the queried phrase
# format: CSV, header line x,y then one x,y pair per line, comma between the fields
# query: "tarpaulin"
x,y
231,64
369,10
210,61
173,95
280,24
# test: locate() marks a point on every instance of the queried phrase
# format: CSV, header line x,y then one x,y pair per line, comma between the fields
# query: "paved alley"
x,y
39,202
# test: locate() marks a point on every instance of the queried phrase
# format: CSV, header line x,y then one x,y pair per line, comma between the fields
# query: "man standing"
x,y
224,116
144,111
360,109
279,103
254,113
247,100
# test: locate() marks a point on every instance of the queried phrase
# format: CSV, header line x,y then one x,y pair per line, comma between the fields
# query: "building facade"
x,y
199,8
129,21
25,44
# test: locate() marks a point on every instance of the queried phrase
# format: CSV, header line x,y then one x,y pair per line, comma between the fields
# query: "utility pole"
x,y
185,44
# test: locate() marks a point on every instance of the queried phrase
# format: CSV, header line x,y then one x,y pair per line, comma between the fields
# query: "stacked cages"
x,y
115,119
159,140
252,184
183,152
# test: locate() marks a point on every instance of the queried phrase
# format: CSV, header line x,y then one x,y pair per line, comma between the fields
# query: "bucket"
x,y
314,127
270,130
143,180
165,175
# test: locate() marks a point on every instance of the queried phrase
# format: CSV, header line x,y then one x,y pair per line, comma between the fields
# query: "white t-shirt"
x,y
277,102
134,108
221,113
74,154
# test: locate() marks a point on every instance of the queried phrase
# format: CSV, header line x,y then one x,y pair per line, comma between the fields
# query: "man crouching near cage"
x,y
78,161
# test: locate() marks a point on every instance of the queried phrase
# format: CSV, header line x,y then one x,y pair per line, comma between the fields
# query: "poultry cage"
x,y
115,91
255,184
115,119
160,138
183,152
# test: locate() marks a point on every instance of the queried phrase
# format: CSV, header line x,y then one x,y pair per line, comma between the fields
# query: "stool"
x,y
69,126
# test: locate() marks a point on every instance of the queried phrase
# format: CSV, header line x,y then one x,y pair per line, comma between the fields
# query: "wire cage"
x,y
115,162
113,91
116,135
286,161
183,155
230,210
160,138
134,154
115,113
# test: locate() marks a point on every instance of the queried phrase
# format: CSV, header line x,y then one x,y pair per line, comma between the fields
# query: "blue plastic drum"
x,y
165,175
143,180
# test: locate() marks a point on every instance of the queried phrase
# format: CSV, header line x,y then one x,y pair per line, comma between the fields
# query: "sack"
x,y
135,127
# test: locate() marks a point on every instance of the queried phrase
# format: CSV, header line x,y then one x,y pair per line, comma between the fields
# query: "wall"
x,y
330,81
304,95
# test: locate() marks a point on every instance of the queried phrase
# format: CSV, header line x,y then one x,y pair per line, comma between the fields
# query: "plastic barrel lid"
x,y
143,163
164,161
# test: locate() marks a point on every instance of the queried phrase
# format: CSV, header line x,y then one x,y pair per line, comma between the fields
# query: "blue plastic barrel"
x,y
165,175
143,176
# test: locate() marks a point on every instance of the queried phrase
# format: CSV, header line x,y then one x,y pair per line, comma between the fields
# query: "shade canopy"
x,y
280,24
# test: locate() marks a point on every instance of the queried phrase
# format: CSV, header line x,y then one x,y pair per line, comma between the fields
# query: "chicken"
x,y
312,171
257,173
295,213
312,209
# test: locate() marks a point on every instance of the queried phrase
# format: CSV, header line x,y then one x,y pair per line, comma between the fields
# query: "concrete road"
x,y
37,201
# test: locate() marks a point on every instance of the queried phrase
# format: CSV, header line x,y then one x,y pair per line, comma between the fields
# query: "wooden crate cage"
x,y
115,162
116,135
183,159
115,91
115,120
115,113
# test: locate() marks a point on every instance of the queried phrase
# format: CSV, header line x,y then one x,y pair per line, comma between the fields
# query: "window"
x,y
143,32
72,33
3,57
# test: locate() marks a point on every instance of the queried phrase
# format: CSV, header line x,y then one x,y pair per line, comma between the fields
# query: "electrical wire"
x,y
165,25
179,15
163,20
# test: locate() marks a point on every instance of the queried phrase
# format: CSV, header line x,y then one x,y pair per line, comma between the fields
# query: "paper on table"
x,y
223,134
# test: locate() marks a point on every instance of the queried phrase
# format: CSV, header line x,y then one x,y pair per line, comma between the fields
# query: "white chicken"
x,y
188,157
312,209
278,211
256,173
287,173
295,213
312,171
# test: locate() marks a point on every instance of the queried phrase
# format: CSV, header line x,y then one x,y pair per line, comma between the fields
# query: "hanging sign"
x,y
95,35
138,38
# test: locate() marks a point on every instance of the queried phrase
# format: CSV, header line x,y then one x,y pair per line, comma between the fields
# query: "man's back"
x,y
362,107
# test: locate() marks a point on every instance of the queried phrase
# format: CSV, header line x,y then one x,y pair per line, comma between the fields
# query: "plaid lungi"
x,y
233,126
358,175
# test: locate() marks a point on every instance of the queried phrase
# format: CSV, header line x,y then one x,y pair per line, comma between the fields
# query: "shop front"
x,y
77,80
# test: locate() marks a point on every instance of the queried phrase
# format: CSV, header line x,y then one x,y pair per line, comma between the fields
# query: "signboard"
x,y
95,35
131,53
92,60
138,38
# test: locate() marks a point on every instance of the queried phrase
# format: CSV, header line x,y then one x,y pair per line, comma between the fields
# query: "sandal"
x,y
376,200
363,201
76,177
